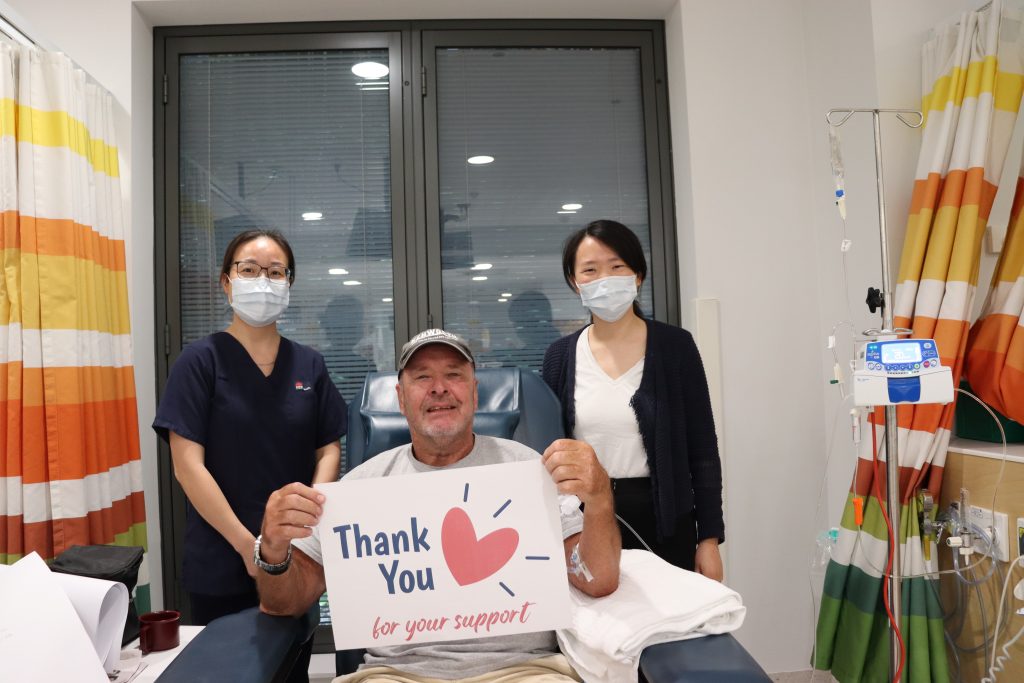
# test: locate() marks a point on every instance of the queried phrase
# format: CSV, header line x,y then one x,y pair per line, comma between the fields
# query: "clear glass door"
x,y
532,144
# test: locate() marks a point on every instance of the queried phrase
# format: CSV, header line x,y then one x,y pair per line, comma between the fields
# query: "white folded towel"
x,y
654,603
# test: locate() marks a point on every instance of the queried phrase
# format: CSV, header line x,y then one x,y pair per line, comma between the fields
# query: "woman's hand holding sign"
x,y
575,469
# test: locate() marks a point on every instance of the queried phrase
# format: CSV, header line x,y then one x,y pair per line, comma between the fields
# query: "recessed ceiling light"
x,y
387,299
370,70
482,266
312,216
565,212
480,160
503,299
572,207
351,283
337,271
480,278
506,294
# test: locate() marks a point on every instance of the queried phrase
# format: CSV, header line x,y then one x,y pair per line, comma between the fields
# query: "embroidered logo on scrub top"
x,y
299,386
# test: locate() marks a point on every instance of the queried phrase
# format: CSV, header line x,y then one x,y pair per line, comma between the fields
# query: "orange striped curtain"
x,y
995,348
70,470
973,77
972,83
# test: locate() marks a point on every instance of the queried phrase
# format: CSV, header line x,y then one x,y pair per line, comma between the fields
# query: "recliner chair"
x,y
513,403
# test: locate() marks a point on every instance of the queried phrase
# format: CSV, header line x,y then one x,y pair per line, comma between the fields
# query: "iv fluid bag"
x,y
837,159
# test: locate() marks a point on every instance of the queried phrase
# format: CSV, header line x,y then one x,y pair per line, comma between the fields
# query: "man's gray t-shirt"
x,y
456,658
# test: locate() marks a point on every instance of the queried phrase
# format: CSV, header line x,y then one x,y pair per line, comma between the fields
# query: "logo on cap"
x,y
435,336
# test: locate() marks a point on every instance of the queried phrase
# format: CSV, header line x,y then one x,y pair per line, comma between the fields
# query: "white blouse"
x,y
604,418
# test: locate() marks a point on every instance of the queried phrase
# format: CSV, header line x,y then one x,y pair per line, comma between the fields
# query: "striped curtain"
x,y
995,348
972,80
70,470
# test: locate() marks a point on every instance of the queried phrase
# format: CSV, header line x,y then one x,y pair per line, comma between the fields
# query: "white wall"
x,y
749,83
753,248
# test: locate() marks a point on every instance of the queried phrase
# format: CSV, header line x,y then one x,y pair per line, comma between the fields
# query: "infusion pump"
x,y
901,371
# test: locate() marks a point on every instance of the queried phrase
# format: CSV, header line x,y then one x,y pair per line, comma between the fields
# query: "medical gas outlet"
x,y
901,371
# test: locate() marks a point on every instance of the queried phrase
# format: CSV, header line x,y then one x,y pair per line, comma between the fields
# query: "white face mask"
x,y
259,302
610,297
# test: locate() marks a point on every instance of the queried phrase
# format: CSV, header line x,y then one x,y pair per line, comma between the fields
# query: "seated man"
x,y
437,394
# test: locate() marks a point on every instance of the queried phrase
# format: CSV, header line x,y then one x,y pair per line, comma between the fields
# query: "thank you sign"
x,y
464,553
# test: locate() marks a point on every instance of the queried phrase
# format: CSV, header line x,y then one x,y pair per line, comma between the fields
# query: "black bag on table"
x,y
111,563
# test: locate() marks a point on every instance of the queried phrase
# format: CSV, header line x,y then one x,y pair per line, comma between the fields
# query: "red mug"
x,y
159,631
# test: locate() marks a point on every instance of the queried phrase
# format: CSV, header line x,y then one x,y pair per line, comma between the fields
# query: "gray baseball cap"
x,y
434,336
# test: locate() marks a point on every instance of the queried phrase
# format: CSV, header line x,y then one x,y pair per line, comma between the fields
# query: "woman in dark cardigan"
x,y
635,390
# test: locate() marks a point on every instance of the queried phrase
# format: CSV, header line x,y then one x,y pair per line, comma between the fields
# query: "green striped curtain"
x,y
972,85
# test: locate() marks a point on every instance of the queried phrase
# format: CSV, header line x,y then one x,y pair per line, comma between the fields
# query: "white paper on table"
x,y
41,635
102,607
130,666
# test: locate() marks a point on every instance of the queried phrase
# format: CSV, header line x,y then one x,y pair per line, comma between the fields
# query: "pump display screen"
x,y
901,353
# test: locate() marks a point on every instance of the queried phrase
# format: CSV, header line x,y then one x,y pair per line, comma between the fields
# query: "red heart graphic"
x,y
470,559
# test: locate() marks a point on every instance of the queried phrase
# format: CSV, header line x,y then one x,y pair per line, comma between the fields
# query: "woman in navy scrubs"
x,y
245,412
635,390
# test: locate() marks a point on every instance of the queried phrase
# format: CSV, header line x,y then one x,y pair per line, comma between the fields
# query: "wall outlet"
x,y
983,517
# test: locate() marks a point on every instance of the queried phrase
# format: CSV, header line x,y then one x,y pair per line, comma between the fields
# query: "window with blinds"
x,y
425,173
298,142
533,143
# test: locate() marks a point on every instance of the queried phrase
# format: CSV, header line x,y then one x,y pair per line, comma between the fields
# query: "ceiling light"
x,y
351,283
337,271
572,207
312,216
387,299
480,160
482,266
507,294
370,70
502,299
480,278
565,212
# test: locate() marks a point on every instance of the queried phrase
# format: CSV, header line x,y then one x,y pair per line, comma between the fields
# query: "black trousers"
x,y
634,503
206,608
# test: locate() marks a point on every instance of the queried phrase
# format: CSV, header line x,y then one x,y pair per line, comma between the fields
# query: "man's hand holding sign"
x,y
412,563
574,467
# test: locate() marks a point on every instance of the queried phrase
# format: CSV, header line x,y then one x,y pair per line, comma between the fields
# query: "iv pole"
x,y
892,469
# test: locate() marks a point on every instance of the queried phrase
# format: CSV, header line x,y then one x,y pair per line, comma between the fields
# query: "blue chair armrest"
x,y
252,647
711,659
247,647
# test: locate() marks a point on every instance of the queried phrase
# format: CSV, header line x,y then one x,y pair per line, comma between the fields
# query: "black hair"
x,y
249,235
616,237
613,235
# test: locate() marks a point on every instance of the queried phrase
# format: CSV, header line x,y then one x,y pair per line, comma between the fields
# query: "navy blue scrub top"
x,y
259,433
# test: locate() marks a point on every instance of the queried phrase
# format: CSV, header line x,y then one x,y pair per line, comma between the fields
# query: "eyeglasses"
x,y
247,270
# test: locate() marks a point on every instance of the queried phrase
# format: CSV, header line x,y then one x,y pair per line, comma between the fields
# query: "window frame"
x,y
416,232
662,271
166,157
